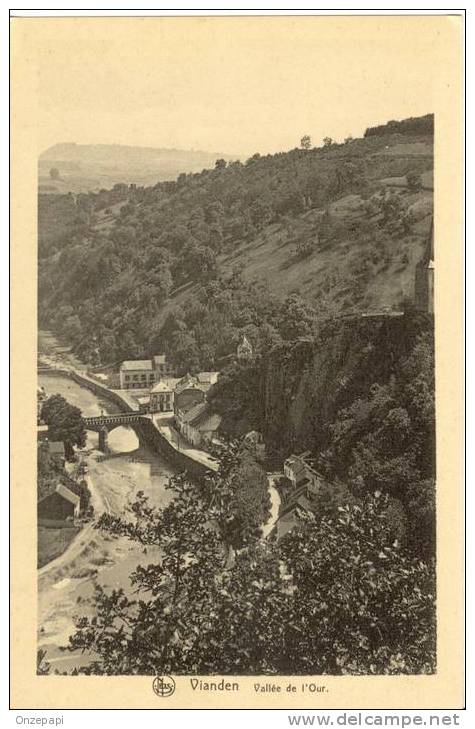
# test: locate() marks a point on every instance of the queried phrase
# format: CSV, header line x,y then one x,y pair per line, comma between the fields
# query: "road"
x,y
275,504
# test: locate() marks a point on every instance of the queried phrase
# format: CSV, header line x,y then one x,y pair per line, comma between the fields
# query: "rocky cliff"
x,y
305,383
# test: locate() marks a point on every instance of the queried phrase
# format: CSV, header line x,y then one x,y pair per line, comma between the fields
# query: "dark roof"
x,y
67,494
295,504
193,412
304,503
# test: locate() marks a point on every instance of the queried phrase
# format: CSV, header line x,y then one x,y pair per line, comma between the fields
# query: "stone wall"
x,y
181,460
145,428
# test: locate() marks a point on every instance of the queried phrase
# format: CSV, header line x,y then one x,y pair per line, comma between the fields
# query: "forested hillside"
x,y
266,247
311,254
360,397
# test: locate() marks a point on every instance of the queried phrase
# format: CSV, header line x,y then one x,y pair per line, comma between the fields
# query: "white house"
x,y
141,374
197,424
161,398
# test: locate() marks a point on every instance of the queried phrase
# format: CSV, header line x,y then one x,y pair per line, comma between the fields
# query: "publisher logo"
x,y
163,686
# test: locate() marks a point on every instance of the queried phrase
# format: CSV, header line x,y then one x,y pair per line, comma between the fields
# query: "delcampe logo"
x,y
163,686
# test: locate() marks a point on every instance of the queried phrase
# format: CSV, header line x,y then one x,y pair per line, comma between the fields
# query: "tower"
x,y
424,282
244,350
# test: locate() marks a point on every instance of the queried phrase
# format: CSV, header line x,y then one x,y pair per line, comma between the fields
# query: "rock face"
x,y
305,383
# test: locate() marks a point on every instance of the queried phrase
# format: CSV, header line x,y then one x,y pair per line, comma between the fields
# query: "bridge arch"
x,y
105,424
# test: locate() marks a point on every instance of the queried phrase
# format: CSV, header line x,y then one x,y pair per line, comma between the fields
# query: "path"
x,y
275,504
82,540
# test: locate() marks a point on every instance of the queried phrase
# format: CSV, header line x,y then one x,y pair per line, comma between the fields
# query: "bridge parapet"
x,y
116,419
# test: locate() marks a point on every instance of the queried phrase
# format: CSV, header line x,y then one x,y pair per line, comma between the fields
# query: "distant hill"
x,y
86,167
190,265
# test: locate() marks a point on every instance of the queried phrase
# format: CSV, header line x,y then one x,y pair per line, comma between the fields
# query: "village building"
x,y
161,398
188,397
42,432
206,380
61,504
207,424
141,374
292,518
245,350
136,374
143,403
424,281
299,498
296,467
192,389
56,452
197,424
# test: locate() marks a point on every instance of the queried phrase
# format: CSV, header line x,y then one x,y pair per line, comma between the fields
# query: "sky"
x,y
231,85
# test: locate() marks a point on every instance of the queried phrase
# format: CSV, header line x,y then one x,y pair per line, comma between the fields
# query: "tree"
x,y
64,423
327,141
254,158
72,327
357,594
337,596
298,318
385,440
161,633
220,164
306,142
240,490
54,173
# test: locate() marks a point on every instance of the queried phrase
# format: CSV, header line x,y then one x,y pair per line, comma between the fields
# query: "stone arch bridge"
x,y
104,424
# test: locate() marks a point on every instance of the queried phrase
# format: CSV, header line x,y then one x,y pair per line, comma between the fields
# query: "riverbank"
x,y
165,439
65,585
170,443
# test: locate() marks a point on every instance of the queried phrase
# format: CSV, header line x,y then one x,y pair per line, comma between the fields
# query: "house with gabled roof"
x,y
57,451
60,504
137,374
197,423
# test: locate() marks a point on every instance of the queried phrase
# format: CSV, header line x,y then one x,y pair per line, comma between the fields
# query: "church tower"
x,y
424,283
244,350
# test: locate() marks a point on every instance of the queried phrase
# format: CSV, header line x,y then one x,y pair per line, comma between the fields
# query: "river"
x,y
65,586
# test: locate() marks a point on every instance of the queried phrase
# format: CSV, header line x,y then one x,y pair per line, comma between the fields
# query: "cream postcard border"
x,y
443,66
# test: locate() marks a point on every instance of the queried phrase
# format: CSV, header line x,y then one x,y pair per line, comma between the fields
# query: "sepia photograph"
x,y
236,262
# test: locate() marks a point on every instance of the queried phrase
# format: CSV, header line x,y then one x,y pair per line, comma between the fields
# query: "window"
x,y
135,378
127,378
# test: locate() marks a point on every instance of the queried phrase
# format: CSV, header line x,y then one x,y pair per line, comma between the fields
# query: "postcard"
x,y
237,362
